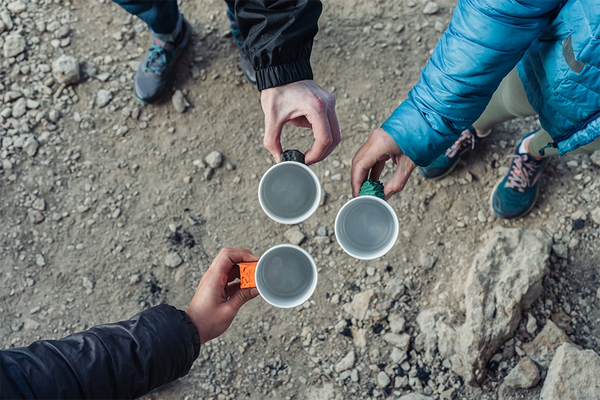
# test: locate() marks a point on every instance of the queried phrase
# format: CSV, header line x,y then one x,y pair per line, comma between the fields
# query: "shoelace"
x,y
522,173
158,59
466,138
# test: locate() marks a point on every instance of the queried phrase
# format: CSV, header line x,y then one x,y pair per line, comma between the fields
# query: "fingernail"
x,y
254,292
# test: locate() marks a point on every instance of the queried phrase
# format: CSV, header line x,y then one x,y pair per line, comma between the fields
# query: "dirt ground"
x,y
121,192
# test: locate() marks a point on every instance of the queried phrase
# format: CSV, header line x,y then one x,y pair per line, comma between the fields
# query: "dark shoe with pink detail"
x,y
515,195
445,163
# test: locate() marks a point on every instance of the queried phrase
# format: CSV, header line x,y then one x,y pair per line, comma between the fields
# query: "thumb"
x,y
241,297
272,138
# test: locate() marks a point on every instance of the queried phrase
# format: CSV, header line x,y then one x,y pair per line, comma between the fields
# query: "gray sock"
x,y
164,38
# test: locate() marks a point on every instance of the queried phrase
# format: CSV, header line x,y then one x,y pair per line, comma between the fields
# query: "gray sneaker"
x,y
155,72
247,67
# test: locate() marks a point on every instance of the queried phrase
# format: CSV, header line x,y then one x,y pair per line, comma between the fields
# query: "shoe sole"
x,y
491,202
445,174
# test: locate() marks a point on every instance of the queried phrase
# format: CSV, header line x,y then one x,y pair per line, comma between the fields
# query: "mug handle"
x,y
247,270
293,155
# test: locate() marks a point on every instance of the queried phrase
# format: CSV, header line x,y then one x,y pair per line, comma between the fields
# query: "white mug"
x,y
285,276
289,192
366,227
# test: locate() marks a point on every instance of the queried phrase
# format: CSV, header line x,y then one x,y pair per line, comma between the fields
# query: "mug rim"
x,y
314,207
396,226
313,264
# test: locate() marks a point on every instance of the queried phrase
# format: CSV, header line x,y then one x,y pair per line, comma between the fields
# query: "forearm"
x,y
278,38
121,360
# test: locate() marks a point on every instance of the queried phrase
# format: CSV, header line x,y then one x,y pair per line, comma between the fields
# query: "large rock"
x,y
65,70
359,305
523,376
504,279
541,350
573,374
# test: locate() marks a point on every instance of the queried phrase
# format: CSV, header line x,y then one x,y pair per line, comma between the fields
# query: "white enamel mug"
x,y
366,227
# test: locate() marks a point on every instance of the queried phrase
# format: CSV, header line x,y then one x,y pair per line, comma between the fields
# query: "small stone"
x,y
31,325
65,69
431,8
383,380
39,260
208,173
336,177
346,363
103,97
322,231
135,278
340,326
595,157
31,146
395,288
35,217
448,394
16,7
87,283
199,163
560,250
179,101
531,324
62,32
39,204
359,305
398,356
396,323
19,108
427,260
173,260
578,224
7,165
401,341
214,159
294,235
579,215
14,45
187,179
6,19
595,214
481,216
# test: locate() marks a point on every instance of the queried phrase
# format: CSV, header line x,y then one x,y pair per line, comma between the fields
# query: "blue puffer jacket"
x,y
556,44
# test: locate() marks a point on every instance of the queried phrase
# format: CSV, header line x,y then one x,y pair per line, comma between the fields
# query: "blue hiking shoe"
x,y
155,72
515,195
445,163
247,67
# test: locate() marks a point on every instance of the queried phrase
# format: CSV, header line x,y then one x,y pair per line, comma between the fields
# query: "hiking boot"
x,y
155,71
515,195
445,163
247,67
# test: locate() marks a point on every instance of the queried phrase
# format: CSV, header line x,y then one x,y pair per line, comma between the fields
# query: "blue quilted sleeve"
x,y
483,43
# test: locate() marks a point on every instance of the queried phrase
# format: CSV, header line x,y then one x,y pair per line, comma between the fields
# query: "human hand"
x,y
217,300
370,159
304,104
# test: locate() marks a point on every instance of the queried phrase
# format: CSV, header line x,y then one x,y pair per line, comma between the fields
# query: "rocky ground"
x,y
108,207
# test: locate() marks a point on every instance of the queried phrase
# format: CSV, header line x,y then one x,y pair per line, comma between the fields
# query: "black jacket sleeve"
x,y
122,360
278,38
